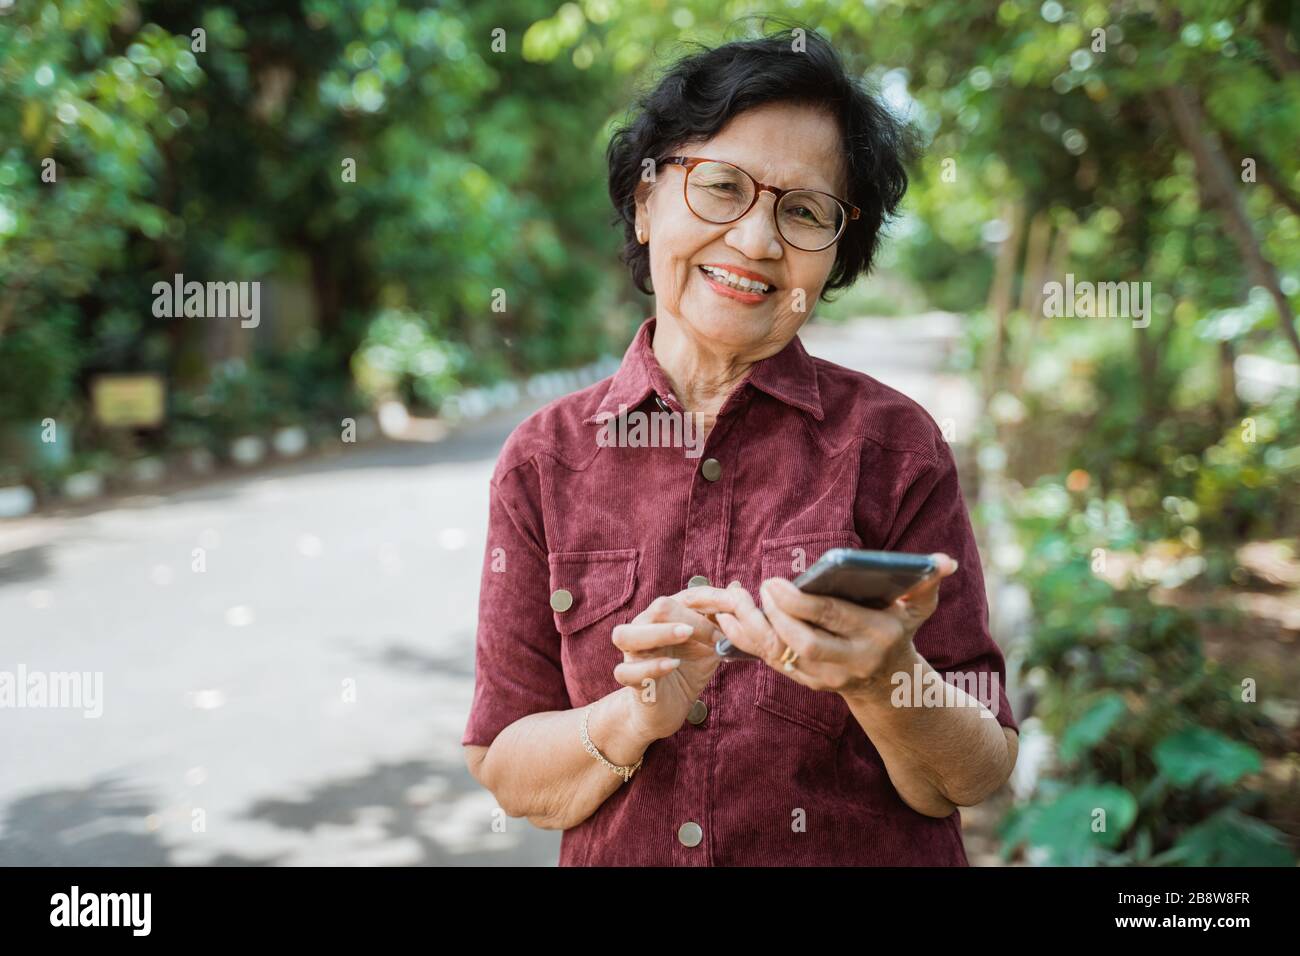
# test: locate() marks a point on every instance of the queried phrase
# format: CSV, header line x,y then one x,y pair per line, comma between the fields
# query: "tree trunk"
x,y
999,304
1267,173
1218,189
1273,37
1228,405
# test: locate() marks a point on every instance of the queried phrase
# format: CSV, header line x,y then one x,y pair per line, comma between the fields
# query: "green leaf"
x,y
1230,838
1091,728
1187,755
1080,824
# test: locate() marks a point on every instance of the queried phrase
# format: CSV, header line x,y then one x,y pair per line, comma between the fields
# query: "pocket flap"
x,y
597,582
821,710
790,555
787,557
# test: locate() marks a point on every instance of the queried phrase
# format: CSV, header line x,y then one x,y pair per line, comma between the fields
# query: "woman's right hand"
x,y
670,645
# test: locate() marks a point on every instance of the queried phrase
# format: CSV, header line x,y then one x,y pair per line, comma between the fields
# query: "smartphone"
x,y
874,579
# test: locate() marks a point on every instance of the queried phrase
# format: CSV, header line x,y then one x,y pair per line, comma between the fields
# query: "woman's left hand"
x,y
842,646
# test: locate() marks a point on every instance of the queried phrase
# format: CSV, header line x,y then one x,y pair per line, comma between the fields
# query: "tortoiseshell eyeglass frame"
x,y
690,162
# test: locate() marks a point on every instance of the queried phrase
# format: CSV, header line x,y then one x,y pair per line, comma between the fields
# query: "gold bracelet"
x,y
624,772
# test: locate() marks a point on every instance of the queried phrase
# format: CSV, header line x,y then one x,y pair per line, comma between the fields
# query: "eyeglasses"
x,y
719,193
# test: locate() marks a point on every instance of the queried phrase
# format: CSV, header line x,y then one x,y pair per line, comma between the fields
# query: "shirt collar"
x,y
789,376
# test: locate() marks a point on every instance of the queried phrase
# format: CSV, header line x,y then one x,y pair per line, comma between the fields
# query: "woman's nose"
x,y
755,232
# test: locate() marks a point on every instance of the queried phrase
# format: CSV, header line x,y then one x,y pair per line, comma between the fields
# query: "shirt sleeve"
x,y
517,667
955,639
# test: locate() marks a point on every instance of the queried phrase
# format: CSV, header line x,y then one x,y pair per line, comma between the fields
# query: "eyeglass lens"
x,y
720,193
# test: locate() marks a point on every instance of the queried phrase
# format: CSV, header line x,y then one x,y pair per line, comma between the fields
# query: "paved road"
x,y
224,690
300,699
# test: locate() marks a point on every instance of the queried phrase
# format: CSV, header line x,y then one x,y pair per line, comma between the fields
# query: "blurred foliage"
x,y
401,358
477,133
476,181
1156,747
39,360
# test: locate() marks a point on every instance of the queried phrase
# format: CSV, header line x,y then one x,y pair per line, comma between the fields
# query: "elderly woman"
x,y
755,177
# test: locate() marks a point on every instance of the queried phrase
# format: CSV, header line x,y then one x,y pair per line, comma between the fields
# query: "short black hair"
x,y
704,91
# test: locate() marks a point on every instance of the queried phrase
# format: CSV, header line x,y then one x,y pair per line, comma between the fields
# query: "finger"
x,y
739,637
635,673
635,637
822,663
812,644
944,566
812,674
710,600
828,613
755,634
925,593
671,610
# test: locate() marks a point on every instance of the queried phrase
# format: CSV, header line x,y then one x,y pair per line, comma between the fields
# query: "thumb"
x,y
925,594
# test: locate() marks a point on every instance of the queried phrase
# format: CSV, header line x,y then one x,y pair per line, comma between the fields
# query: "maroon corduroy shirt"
x,y
813,456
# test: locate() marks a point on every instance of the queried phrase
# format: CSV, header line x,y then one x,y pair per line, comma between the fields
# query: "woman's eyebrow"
x,y
803,177
809,179
812,179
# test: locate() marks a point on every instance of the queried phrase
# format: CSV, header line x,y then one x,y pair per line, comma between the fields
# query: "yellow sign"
x,y
135,401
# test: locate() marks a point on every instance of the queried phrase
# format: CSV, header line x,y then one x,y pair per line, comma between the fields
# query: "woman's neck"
x,y
701,379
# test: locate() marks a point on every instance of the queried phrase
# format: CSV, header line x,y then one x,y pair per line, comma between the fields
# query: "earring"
x,y
640,234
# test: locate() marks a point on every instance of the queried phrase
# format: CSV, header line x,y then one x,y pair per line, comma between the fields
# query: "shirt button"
x,y
699,710
699,581
690,834
711,469
561,600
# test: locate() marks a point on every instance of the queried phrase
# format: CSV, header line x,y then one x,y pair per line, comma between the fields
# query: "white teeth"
x,y
735,281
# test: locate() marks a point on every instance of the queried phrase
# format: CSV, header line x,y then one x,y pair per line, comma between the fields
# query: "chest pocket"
x,y
823,711
591,593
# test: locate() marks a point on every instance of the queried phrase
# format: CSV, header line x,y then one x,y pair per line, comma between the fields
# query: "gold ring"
x,y
788,658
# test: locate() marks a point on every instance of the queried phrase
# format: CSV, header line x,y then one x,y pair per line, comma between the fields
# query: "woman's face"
x,y
787,145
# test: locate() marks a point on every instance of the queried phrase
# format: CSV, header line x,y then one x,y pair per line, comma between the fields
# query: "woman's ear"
x,y
641,211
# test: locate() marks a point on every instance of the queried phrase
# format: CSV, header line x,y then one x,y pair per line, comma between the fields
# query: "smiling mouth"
x,y
736,283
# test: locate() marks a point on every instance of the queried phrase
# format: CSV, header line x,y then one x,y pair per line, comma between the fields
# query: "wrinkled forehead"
x,y
787,146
